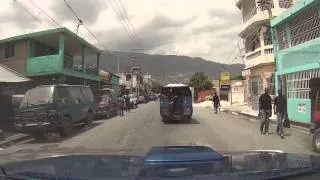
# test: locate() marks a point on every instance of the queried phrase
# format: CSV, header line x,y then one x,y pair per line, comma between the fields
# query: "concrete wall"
x,y
18,61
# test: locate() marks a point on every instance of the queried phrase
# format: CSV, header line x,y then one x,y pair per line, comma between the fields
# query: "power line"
x,y
29,12
126,17
54,21
89,31
122,20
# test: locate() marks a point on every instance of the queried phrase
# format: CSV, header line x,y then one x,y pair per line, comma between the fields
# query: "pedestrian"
x,y
216,102
265,108
280,110
127,99
122,106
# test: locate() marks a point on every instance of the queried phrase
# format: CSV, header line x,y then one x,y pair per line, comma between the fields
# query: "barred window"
x,y
248,10
285,3
282,40
298,83
305,27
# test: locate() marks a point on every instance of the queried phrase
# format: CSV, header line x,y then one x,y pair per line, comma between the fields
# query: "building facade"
x,y
48,57
256,35
297,36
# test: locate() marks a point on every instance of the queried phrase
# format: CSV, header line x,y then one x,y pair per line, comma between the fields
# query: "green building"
x,y
296,37
49,57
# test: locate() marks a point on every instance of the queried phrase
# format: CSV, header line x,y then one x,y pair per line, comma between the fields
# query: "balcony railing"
x,y
254,55
268,51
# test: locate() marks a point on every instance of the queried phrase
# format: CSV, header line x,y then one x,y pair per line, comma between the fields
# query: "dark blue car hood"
x,y
168,162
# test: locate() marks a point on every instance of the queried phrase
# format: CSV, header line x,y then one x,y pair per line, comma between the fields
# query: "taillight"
x,y
316,113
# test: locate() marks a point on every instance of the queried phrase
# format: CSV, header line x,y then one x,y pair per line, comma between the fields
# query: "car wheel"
x,y
316,141
165,120
67,127
89,118
39,135
108,115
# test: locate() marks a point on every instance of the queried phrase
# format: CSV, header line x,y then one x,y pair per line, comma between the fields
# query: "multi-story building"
x,y
256,34
48,57
296,34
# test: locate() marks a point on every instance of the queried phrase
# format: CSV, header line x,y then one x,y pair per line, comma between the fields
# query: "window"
x,y
298,83
75,92
9,50
61,93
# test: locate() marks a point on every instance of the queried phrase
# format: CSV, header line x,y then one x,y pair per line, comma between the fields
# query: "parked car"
x,y
107,107
141,99
153,97
55,108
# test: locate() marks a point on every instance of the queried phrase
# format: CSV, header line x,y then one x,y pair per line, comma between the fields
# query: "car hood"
x,y
159,161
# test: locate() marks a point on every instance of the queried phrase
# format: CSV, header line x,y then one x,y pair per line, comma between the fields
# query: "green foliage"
x,y
156,87
200,81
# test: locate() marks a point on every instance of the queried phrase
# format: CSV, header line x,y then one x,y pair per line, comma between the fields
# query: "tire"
x,y
89,118
316,141
165,120
67,127
39,135
187,119
108,115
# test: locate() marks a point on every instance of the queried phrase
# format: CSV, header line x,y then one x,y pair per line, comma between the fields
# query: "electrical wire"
x,y
29,12
122,20
53,20
126,17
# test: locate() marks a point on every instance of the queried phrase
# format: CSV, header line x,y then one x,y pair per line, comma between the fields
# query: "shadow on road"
x,y
193,121
55,137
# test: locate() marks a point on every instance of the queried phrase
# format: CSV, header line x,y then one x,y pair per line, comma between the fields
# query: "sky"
x,y
196,28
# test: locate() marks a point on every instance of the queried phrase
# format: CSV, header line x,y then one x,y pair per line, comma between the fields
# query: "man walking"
x,y
122,106
216,102
265,108
280,109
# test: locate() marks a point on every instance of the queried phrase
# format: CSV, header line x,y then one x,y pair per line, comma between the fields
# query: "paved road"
x,y
142,128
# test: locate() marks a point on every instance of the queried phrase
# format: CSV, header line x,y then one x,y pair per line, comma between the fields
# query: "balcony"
x,y
261,55
54,52
261,17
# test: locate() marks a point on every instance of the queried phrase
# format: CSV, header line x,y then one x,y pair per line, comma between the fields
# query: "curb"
x,y
9,142
272,121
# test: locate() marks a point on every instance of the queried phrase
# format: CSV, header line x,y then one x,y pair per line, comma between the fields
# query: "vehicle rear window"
x,y
75,92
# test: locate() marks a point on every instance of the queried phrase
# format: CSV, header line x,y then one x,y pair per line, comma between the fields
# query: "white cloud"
x,y
204,28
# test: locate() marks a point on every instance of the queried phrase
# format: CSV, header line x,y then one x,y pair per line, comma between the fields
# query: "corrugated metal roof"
x,y
9,75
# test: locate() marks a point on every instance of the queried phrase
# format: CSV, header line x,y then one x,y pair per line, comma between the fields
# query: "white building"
x,y
256,35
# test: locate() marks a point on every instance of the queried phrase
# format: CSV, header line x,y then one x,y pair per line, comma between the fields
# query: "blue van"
x,y
55,108
176,103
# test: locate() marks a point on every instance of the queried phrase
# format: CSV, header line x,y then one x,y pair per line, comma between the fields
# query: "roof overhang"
x,y
254,26
73,42
258,65
10,76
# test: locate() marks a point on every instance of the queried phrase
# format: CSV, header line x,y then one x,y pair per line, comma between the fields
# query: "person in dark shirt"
x,y
280,111
216,102
265,108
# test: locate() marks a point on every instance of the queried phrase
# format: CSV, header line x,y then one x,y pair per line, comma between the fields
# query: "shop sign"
x,y
225,76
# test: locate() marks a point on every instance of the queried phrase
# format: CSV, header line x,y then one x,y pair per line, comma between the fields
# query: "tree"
x,y
156,87
200,81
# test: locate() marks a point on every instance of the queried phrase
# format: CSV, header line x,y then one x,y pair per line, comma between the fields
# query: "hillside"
x,y
164,68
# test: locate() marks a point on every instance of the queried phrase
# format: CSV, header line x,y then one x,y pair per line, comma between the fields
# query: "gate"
x,y
256,91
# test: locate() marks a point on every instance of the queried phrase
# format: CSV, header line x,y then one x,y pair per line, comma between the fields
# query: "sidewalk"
x,y
12,138
244,110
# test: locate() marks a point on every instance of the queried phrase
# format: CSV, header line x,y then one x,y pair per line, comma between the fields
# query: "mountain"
x,y
163,68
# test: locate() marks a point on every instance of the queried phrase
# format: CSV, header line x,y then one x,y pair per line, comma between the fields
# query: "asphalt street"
x,y
142,128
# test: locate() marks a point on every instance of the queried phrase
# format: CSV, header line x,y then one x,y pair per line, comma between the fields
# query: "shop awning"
x,y
9,75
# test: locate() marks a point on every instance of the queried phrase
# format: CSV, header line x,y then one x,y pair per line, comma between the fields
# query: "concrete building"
x,y
297,39
48,57
256,34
